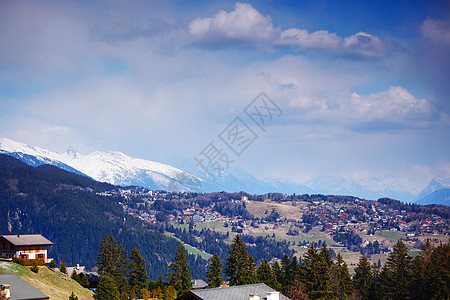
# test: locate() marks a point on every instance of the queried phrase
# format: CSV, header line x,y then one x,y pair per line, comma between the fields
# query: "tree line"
x,y
315,276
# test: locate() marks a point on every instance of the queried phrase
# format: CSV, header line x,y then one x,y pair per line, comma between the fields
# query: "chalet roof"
x,y
21,290
241,292
199,284
27,240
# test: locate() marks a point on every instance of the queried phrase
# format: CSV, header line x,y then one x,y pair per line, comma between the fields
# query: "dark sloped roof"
x,y
199,284
21,290
241,292
27,240
92,276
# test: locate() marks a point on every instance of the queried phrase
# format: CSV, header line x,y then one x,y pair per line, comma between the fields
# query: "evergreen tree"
x,y
321,271
309,262
376,291
420,267
240,265
137,276
75,276
62,267
439,273
316,274
107,255
106,289
112,260
73,297
214,273
294,268
179,274
341,278
276,269
84,281
251,270
325,255
264,274
53,265
286,277
399,269
363,278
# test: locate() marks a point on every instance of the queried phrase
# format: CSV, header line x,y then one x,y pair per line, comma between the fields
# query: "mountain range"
x,y
183,175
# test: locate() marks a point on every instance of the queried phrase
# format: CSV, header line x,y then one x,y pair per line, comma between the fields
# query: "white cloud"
x,y
243,25
437,31
395,108
246,26
302,39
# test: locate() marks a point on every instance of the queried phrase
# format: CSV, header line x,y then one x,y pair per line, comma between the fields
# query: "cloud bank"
x,y
247,27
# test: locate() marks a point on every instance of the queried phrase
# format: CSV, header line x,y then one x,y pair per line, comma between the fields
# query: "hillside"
x,y
65,208
54,284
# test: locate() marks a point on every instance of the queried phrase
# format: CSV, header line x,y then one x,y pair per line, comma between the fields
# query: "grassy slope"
x,y
190,249
54,284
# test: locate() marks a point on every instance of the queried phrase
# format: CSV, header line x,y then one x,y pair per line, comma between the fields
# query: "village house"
x,y
258,291
26,246
12,287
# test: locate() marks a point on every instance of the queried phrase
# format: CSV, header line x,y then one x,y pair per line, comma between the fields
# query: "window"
x,y
40,255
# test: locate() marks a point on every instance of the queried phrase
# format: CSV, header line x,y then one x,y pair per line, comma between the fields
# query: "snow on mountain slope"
x,y
120,169
435,185
110,166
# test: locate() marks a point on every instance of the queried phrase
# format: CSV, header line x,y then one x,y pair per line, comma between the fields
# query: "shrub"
x,y
53,265
29,262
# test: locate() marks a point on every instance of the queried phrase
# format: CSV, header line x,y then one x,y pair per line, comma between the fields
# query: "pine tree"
x,y
322,287
341,278
276,269
62,267
53,265
294,268
310,259
112,260
137,276
363,278
439,273
76,277
286,275
84,281
420,268
179,274
214,272
251,270
325,255
316,273
399,269
106,289
107,255
240,265
264,274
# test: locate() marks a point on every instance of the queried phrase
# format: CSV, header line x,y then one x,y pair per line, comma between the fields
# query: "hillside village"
x,y
289,217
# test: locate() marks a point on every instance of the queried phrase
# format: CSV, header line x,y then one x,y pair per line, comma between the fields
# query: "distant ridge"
x,y
183,175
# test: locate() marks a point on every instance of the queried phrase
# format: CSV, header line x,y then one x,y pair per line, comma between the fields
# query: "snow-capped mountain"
x,y
437,192
182,174
109,166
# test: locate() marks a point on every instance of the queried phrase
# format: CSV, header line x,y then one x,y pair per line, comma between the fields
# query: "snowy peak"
x,y
435,185
72,152
108,166
120,169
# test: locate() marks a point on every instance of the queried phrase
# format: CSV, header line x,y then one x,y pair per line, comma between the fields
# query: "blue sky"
x,y
363,85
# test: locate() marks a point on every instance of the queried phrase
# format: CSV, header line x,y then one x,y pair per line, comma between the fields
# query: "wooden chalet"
x,y
26,246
